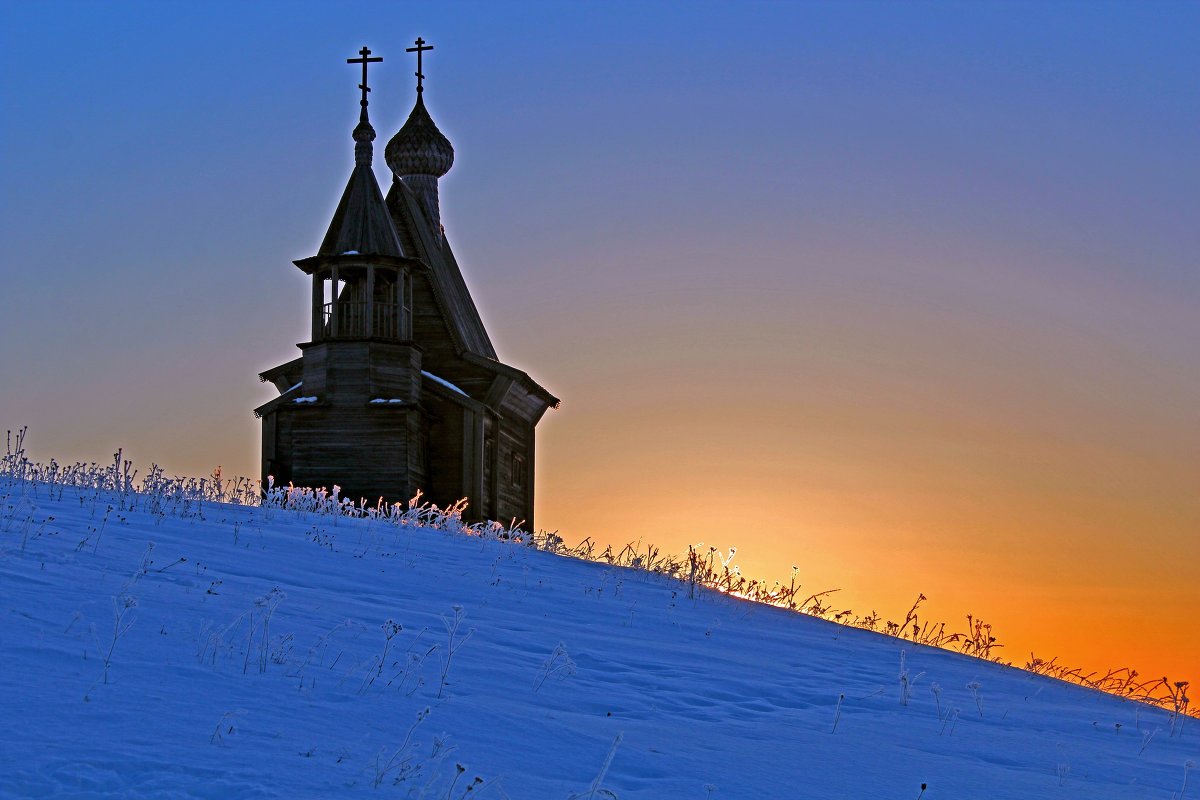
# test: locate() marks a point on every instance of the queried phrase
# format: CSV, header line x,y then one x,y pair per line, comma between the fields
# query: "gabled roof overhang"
x,y
522,378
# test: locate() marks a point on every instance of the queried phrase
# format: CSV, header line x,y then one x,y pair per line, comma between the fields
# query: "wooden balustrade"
x,y
388,320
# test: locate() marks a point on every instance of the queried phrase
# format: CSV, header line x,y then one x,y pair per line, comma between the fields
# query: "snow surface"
x,y
712,697
444,382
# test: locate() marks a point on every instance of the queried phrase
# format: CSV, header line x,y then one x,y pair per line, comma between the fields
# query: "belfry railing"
x,y
388,320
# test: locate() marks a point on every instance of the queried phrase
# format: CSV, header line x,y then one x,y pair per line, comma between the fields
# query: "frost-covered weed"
x,y
974,688
559,665
318,652
453,642
907,680
1188,766
597,787
1062,768
951,720
266,606
100,531
391,629
1177,695
27,528
400,761
225,727
408,679
122,622
116,483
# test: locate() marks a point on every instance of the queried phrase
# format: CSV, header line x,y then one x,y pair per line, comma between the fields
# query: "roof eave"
x,y
313,263
518,375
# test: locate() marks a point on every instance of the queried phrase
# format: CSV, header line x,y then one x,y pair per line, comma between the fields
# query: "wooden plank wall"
x,y
364,450
445,452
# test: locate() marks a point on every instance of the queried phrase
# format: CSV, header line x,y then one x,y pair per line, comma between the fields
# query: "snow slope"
x,y
711,697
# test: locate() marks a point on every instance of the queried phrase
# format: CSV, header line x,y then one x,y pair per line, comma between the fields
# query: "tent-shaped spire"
x,y
361,224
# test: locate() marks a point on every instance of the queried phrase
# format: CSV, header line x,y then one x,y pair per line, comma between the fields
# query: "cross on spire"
x,y
419,49
364,60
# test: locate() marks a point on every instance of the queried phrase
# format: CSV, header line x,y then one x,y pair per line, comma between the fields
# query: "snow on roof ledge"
x,y
387,400
444,382
312,399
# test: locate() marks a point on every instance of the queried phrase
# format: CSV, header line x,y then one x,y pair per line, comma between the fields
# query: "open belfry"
x,y
400,389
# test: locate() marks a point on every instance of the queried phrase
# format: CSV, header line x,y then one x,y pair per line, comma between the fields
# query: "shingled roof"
x,y
418,241
361,223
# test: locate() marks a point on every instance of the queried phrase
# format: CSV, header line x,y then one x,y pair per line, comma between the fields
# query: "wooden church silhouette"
x,y
400,388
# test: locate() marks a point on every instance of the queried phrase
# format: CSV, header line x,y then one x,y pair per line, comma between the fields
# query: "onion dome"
x,y
419,148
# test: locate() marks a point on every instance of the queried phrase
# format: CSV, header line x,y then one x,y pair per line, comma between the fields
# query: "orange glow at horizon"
x,y
1002,470
1095,607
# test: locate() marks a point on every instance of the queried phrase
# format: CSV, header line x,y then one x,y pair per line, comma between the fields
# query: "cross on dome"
x,y
364,134
419,49
364,60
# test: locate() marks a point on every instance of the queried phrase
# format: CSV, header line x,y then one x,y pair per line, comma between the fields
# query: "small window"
x,y
518,471
405,306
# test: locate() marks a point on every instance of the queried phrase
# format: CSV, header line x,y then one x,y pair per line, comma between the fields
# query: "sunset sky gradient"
x,y
906,295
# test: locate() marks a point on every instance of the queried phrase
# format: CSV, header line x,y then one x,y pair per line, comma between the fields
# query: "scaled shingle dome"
x,y
419,148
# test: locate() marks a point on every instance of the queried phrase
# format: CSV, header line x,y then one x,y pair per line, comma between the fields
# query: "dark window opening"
x,y
518,471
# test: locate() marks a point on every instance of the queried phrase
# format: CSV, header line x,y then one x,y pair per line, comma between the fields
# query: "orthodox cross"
x,y
364,60
420,48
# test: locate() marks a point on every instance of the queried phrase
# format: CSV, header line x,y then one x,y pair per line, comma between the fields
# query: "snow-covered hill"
x,y
254,652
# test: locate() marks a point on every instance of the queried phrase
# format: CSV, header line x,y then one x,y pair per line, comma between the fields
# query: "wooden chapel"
x,y
400,388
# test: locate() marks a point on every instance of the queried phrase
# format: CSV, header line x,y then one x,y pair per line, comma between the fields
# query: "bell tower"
x,y
399,388
350,412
